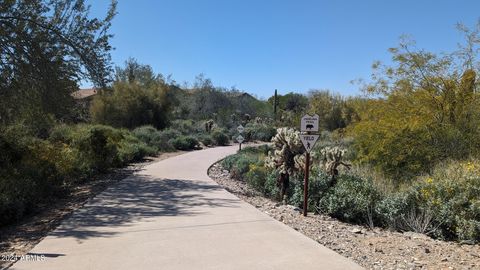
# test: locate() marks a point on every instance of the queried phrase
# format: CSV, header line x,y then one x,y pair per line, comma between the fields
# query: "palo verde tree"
x,y
46,48
428,109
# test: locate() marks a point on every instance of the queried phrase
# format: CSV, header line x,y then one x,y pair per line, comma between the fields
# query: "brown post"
x,y
305,186
239,146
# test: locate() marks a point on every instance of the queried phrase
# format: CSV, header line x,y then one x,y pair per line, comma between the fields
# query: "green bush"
x,y
164,141
206,139
352,199
132,104
147,134
447,202
318,184
261,150
220,138
184,143
271,189
259,132
102,147
256,177
31,171
185,127
240,164
158,140
444,204
132,149
34,170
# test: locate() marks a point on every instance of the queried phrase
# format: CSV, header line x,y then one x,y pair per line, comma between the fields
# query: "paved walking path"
x,y
171,215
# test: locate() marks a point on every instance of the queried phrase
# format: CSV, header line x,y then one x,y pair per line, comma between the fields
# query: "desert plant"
x,y
184,143
206,139
351,199
256,177
286,156
220,138
332,158
259,131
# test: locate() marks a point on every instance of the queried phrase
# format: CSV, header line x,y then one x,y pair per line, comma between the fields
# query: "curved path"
x,y
171,215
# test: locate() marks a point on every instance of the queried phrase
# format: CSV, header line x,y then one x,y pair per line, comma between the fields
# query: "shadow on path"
x,y
139,198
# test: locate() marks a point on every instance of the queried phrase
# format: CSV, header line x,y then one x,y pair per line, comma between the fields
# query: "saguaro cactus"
x,y
275,101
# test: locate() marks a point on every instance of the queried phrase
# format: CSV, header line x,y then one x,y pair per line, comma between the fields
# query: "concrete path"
x,y
171,215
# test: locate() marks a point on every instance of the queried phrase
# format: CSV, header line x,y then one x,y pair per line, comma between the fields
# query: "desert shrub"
x,y
185,127
184,143
256,177
99,144
170,133
257,150
259,132
158,140
452,194
240,164
147,134
220,138
101,147
271,189
318,184
334,139
132,149
164,143
133,104
31,171
444,204
352,199
229,161
206,139
34,170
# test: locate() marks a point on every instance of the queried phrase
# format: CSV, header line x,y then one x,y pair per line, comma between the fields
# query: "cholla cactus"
x,y
286,155
332,157
209,125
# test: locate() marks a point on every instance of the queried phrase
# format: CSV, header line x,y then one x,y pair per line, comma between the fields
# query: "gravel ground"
x,y
373,249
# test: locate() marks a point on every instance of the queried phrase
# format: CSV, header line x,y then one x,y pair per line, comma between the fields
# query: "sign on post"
x,y
240,129
309,141
240,139
309,123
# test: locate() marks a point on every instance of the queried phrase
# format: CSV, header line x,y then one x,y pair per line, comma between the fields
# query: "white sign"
x,y
308,141
240,139
309,123
240,129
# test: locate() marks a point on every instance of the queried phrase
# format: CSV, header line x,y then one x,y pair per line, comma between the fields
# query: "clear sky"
x,y
260,45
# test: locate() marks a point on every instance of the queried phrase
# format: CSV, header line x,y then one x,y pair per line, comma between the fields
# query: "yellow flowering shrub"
x,y
452,192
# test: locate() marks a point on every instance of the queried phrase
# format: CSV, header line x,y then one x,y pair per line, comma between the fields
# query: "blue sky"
x,y
260,45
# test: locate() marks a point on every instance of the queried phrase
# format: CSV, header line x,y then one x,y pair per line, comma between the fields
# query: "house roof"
x,y
84,93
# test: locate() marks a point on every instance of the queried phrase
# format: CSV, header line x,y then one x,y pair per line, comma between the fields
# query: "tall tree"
x,y
137,97
46,48
427,110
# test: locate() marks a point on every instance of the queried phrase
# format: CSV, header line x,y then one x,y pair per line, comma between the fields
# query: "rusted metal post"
x,y
305,185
